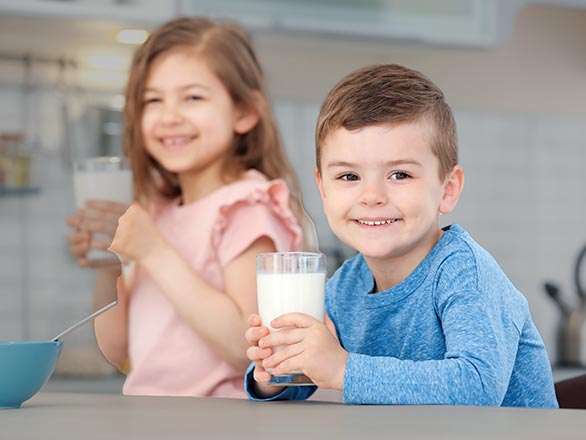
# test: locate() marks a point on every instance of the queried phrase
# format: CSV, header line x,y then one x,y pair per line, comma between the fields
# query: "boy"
x,y
422,315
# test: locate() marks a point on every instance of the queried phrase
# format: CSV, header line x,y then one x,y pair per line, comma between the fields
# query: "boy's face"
x,y
382,193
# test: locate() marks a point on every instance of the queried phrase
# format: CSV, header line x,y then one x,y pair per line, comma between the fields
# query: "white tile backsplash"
x,y
523,200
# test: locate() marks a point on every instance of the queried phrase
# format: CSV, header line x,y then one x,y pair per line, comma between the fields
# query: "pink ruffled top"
x,y
167,357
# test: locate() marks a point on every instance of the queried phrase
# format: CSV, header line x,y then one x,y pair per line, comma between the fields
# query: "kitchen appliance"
x,y
571,330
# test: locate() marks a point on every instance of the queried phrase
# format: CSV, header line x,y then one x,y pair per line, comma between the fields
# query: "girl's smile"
x,y
176,142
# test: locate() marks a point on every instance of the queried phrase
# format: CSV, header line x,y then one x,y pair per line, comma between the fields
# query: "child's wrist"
x,y
264,391
157,257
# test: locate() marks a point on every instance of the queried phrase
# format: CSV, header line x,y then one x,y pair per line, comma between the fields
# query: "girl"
x,y
211,192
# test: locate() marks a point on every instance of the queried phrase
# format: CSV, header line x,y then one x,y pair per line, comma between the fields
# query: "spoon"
x,y
84,320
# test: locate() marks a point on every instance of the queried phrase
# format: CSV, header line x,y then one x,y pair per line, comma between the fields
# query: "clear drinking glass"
x,y
290,282
102,178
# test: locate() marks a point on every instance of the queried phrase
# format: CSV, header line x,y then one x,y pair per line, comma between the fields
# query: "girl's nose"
x,y
171,114
373,194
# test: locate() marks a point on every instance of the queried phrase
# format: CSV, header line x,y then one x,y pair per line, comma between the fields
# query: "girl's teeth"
x,y
175,141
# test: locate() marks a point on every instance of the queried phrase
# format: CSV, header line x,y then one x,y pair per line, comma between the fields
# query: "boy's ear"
x,y
452,190
247,116
319,183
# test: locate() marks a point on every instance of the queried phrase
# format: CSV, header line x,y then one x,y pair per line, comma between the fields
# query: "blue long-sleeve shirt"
x,y
455,331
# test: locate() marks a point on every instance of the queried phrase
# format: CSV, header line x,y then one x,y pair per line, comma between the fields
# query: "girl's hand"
x,y
95,226
310,347
137,236
257,355
79,240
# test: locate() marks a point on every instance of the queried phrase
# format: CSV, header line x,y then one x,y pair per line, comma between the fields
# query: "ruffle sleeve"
x,y
255,209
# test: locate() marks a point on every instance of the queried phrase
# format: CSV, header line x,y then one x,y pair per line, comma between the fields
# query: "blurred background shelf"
x,y
16,192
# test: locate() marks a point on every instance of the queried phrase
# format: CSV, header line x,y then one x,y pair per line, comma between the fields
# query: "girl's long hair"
x,y
228,52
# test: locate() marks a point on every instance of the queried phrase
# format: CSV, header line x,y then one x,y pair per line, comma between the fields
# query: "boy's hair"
x,y
228,52
390,94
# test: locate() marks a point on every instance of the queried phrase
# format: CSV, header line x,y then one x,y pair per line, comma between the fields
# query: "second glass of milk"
x,y
290,282
102,178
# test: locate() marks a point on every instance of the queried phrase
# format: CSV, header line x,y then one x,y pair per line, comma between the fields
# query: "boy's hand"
x,y
257,355
310,347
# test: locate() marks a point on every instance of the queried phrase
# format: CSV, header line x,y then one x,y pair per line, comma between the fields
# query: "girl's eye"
x,y
399,175
151,101
348,177
193,98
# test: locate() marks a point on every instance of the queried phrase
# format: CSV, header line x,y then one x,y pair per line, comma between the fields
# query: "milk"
x,y
280,293
115,185
109,184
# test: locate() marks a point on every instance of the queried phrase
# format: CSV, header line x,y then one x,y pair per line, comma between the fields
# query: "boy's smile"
x,y
382,194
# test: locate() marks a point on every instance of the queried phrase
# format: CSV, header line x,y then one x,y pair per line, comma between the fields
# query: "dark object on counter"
x,y
572,323
571,393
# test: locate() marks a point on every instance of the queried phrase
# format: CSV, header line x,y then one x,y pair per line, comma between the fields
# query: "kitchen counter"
x,y
98,416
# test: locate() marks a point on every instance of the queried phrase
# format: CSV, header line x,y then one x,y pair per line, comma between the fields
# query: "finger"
x,y
293,319
253,334
282,337
291,364
257,354
78,237
74,220
254,320
100,225
79,250
280,359
260,374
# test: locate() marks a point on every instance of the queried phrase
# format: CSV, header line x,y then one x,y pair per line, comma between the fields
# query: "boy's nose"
x,y
373,194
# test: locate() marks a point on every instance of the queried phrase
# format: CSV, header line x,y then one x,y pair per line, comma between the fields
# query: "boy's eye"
x,y
399,175
348,177
193,98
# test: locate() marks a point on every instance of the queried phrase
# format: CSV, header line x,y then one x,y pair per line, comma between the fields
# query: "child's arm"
x,y
475,371
220,318
111,328
100,216
481,349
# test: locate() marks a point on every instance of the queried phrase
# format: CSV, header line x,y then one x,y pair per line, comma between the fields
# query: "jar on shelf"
x,y
15,162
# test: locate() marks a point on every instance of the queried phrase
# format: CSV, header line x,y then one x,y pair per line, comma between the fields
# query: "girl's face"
x,y
190,122
382,193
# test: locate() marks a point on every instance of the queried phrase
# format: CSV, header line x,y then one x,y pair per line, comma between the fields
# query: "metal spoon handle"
x,y
84,320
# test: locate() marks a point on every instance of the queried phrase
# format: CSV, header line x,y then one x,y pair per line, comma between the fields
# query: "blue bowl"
x,y
24,368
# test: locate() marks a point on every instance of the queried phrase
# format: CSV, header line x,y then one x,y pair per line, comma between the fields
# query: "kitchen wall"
x,y
521,121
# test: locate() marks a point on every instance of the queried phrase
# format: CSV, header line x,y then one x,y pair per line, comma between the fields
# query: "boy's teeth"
x,y
375,223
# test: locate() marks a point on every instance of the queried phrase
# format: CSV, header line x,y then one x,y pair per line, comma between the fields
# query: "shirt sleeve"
x,y
479,358
289,393
262,211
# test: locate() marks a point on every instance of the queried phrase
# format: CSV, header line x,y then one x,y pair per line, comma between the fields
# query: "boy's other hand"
x,y
257,355
310,347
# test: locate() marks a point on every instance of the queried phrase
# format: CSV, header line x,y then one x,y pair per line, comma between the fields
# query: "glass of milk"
x,y
290,282
102,178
